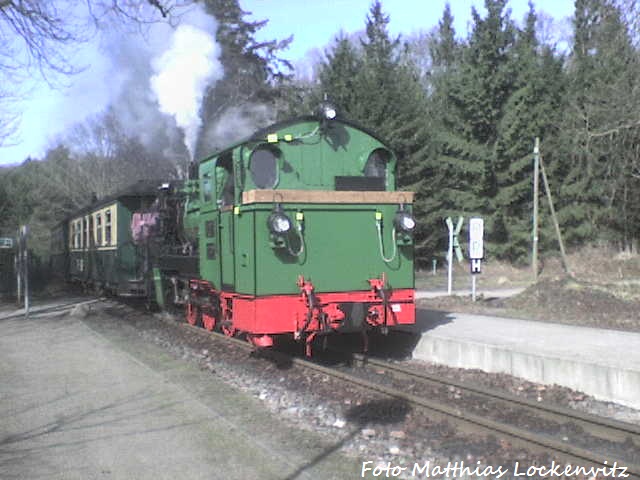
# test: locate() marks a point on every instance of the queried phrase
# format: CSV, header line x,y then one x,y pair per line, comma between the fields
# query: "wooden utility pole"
x,y
565,263
536,177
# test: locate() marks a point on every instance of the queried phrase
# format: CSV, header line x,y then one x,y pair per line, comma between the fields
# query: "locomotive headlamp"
x,y
327,111
278,222
404,222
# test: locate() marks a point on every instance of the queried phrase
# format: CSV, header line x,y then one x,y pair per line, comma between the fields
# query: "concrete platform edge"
x,y
603,382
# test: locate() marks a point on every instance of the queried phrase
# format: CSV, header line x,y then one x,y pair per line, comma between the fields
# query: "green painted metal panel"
x,y
246,253
341,244
210,247
315,157
341,250
227,251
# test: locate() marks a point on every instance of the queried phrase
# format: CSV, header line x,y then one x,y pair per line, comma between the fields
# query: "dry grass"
x,y
604,291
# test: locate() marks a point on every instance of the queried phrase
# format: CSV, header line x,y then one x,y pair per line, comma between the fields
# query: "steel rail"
x,y
468,421
608,428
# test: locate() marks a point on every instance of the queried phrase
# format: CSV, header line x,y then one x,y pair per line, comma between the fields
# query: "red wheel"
x,y
209,321
228,330
193,315
227,324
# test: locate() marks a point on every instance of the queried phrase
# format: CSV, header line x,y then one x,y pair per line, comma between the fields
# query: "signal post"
x,y
476,250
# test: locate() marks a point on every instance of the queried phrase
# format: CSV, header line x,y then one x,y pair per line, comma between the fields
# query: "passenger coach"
x,y
96,246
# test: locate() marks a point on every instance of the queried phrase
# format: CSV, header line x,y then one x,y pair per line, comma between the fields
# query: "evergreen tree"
x,y
252,70
532,110
446,186
337,76
468,99
600,191
444,47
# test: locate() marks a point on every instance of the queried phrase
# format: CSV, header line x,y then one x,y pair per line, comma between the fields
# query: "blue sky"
x,y
47,112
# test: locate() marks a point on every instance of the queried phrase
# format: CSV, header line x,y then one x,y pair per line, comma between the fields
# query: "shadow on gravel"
x,y
37,311
398,344
135,415
370,414
280,360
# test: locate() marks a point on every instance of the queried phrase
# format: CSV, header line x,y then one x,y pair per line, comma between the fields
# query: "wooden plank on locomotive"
x,y
324,196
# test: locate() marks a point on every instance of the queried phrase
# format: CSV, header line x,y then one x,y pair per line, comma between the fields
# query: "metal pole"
x,y
473,287
536,176
450,260
26,275
24,266
18,270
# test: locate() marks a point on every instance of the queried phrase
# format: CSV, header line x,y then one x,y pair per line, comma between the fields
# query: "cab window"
x,y
207,188
376,165
224,181
263,166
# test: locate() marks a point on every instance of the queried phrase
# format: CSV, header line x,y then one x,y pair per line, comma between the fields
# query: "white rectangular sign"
x,y
476,240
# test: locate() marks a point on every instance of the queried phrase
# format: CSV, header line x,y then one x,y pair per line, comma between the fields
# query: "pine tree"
x,y
531,111
600,190
337,76
468,99
252,69
446,187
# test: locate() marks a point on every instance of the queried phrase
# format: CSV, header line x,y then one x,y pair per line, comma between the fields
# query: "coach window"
x,y
98,229
376,165
85,232
76,234
263,165
107,227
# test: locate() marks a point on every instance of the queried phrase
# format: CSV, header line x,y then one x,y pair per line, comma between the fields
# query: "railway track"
x,y
560,448
598,427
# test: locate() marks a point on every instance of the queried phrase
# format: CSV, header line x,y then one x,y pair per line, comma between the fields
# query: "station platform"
x,y
602,363
79,402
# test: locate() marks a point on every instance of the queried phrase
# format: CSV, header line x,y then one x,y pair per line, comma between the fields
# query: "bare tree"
x,y
631,13
99,157
35,30
9,118
37,38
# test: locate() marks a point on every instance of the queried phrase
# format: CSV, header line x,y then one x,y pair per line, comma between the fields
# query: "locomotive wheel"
x,y
194,316
227,329
209,321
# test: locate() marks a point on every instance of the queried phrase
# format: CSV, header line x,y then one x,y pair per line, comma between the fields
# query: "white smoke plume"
x,y
237,123
182,74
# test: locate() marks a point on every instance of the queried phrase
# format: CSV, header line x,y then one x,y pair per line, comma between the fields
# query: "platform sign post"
x,y
476,250
453,244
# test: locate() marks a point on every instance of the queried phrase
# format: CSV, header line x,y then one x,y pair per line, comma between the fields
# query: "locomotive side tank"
x,y
301,232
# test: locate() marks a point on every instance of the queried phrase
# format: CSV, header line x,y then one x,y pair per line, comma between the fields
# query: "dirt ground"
x,y
603,290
